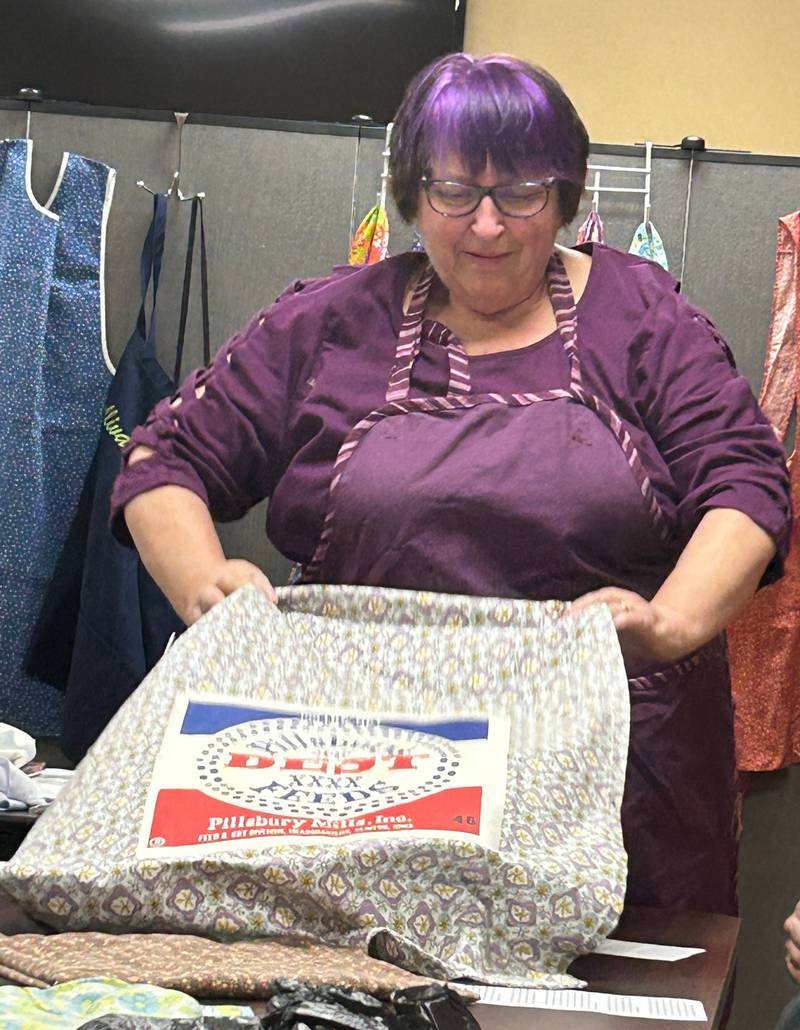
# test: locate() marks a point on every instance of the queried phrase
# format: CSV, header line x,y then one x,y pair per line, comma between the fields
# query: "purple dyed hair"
x,y
495,108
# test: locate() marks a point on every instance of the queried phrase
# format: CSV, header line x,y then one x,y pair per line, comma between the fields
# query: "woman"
x,y
516,419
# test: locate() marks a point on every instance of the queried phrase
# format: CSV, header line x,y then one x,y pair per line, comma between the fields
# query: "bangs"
x,y
478,110
494,113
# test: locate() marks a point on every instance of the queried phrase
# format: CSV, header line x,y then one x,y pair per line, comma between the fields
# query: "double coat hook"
x,y
175,184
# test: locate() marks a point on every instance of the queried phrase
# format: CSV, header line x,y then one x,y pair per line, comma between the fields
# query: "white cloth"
x,y
19,792
16,746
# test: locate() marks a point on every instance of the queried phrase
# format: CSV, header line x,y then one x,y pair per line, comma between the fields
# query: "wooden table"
x,y
703,977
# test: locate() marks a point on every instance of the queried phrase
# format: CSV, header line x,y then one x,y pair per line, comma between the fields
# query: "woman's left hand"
x,y
646,629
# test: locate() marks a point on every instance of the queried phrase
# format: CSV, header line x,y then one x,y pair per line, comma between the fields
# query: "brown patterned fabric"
x,y
194,965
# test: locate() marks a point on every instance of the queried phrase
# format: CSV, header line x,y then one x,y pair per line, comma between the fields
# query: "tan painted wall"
x,y
728,70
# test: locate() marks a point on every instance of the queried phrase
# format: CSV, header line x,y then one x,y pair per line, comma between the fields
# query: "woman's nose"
x,y
487,220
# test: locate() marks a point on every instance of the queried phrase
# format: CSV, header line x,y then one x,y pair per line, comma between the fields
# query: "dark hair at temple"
x,y
495,108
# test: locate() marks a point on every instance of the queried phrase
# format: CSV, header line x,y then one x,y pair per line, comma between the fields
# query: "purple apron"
x,y
543,495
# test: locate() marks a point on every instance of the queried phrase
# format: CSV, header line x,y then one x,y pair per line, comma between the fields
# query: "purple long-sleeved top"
x,y
281,395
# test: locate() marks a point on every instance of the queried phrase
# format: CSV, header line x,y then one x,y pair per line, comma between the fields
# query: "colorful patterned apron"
x,y
54,376
371,240
679,811
592,230
765,639
647,243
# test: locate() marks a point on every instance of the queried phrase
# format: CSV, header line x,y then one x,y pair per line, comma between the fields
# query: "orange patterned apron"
x,y
764,641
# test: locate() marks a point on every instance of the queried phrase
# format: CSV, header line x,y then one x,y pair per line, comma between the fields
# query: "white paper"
x,y
654,952
681,1009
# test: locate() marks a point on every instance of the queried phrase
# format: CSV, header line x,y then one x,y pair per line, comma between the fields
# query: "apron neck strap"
x,y
197,208
409,341
150,266
562,299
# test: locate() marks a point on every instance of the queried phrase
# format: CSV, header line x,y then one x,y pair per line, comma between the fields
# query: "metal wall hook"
x,y
360,120
648,164
596,194
180,118
174,186
31,95
387,153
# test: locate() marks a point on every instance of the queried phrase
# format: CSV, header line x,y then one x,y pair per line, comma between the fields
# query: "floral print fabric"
x,y
516,914
647,243
592,230
371,238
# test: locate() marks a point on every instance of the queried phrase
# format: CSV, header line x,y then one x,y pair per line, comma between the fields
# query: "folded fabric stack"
x,y
195,965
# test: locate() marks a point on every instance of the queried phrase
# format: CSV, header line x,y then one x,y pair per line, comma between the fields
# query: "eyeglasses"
x,y
457,199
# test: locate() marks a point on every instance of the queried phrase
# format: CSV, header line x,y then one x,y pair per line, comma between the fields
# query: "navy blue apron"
x,y
105,623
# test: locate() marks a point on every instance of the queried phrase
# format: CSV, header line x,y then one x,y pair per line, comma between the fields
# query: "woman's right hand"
x,y
223,580
178,543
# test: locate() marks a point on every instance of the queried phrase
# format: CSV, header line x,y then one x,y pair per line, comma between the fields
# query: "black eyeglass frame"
x,y
488,191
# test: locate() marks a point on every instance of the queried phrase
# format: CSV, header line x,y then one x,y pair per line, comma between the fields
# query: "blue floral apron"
x,y
54,375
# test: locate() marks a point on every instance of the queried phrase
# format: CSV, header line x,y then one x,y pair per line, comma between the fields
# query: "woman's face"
x,y
488,261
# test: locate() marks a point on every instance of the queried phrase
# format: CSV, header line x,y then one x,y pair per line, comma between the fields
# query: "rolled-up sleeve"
x,y
221,434
701,413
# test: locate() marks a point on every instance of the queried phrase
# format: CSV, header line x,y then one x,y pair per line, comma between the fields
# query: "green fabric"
x,y
69,1005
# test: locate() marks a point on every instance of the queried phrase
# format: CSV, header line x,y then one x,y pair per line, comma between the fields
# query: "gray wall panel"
x,y
730,265
278,206
730,254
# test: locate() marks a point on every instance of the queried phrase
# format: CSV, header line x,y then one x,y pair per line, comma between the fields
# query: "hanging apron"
x,y
591,230
765,639
54,374
371,240
465,461
121,621
647,243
